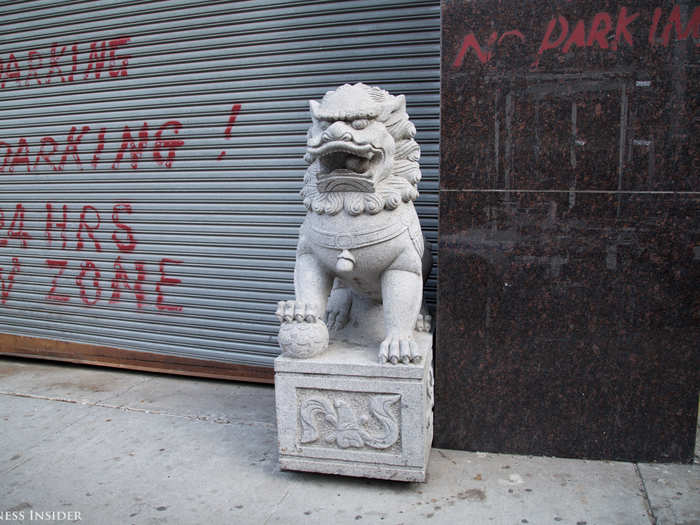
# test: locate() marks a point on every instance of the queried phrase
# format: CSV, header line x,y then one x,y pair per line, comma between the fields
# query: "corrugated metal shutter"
x,y
183,246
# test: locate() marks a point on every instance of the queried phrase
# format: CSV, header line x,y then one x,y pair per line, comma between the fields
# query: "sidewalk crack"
x,y
277,506
653,520
221,420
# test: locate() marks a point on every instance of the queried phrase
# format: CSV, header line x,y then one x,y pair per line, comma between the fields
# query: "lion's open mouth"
x,y
345,166
343,158
344,162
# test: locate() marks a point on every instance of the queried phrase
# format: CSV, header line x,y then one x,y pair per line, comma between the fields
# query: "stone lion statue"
x,y
361,256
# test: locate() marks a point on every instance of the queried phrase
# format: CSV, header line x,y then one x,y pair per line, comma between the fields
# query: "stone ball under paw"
x,y
303,340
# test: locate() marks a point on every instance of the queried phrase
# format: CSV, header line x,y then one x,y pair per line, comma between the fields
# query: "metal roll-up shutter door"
x,y
153,155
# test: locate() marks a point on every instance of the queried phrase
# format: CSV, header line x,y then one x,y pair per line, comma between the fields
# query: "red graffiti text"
x,y
84,147
65,63
604,30
79,239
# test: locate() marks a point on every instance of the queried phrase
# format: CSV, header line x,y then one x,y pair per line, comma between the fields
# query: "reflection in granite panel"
x,y
568,301
568,95
568,324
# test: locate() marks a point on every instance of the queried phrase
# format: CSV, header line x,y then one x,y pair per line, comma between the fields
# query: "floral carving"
x,y
346,429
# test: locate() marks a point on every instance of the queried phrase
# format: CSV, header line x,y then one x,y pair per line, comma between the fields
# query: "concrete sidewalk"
x,y
118,447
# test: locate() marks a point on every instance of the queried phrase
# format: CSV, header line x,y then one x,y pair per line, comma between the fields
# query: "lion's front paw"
x,y
302,334
399,349
424,322
288,311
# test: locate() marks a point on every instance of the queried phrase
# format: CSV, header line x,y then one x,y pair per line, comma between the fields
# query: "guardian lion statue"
x,y
361,252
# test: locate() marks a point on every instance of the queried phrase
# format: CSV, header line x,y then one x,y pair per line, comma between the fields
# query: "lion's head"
x,y
361,152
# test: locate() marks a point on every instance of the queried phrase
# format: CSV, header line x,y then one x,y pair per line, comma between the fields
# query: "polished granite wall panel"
x,y
515,118
568,331
569,236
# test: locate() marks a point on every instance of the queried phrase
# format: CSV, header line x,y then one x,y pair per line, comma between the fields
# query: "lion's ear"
x,y
400,103
313,107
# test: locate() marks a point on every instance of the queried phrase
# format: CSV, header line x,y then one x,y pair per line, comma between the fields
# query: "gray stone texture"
x,y
358,282
674,492
360,244
343,412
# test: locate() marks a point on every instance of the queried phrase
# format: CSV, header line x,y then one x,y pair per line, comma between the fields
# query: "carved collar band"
x,y
351,240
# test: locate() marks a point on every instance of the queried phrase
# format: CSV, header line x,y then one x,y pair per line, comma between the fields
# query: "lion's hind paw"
x,y
338,308
396,350
424,322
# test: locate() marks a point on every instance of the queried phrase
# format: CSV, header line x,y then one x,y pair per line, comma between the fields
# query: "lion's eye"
x,y
360,123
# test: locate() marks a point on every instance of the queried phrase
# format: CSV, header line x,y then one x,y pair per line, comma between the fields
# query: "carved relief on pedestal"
x,y
349,419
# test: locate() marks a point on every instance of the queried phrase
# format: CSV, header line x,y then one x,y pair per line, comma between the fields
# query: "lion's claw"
x,y
336,320
399,349
288,311
338,308
424,322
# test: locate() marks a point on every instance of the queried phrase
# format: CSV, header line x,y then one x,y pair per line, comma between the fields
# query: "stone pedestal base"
x,y
344,413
